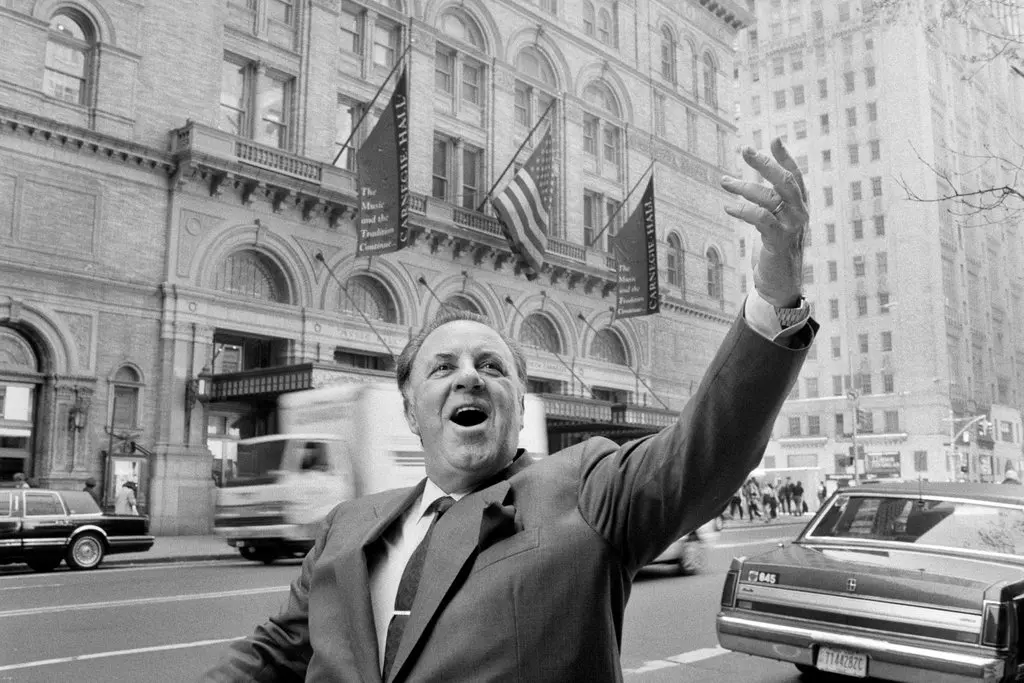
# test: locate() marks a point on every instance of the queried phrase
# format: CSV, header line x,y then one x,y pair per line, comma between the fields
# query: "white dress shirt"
x,y
399,545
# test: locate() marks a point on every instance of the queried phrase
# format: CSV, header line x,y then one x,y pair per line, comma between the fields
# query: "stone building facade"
x,y
168,180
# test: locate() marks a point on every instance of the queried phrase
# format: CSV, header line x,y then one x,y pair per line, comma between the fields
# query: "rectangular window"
x,y
125,408
351,31
864,379
851,116
833,271
876,186
778,65
854,153
856,191
920,461
798,95
472,82
823,120
828,196
826,159
830,233
813,426
280,10
848,81
858,266
879,226
862,305
808,274
273,110
837,347
780,99
796,60
811,387
521,106
235,96
882,262
875,147
840,420
794,426
886,343
386,43
892,421
872,111
858,229
888,383
441,167
591,216
612,144
444,71
472,177
869,76
822,88
837,385
590,125
345,118
862,342
612,216
755,105
883,302
833,309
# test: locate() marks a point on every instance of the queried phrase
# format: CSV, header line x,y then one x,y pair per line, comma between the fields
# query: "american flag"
x,y
523,208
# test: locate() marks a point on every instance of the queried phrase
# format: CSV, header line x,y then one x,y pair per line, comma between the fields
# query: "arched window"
x,y
674,261
462,27
602,128
369,296
588,18
668,55
605,30
532,98
608,347
69,50
250,273
540,333
461,303
714,274
126,386
710,81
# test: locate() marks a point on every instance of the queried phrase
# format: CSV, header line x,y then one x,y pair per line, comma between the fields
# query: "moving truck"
x,y
336,443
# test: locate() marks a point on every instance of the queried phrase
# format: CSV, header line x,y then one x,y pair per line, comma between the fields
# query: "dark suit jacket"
x,y
527,579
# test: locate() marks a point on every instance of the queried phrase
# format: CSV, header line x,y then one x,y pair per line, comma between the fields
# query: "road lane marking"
x,y
32,611
34,585
117,653
763,541
677,660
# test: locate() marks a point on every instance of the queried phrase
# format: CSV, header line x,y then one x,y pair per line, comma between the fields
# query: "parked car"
x,y
42,527
689,554
903,582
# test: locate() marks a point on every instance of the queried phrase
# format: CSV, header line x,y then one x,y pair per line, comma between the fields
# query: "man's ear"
x,y
410,415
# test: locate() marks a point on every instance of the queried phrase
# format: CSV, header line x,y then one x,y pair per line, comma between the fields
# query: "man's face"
x,y
464,400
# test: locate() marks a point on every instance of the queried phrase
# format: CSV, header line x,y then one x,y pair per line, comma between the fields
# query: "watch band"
x,y
793,316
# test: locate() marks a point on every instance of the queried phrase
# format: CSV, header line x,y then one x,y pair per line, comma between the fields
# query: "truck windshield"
x,y
256,463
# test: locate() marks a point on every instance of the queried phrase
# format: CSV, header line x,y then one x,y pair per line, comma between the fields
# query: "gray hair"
x,y
405,360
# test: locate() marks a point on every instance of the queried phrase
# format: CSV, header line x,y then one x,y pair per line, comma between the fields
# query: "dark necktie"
x,y
407,585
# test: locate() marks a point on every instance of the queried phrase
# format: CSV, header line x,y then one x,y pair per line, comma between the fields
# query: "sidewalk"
x,y
781,520
180,548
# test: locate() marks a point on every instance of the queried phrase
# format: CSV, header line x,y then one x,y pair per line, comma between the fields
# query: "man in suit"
x,y
526,576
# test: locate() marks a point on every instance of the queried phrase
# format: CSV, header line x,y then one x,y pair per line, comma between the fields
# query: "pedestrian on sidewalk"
x,y
93,490
736,504
798,498
753,498
822,493
124,501
785,496
771,503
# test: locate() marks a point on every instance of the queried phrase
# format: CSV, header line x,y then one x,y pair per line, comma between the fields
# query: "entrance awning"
x,y
585,416
271,382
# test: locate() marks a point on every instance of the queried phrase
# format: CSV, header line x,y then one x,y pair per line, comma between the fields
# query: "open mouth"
x,y
469,416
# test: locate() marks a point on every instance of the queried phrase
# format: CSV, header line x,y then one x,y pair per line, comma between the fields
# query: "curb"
x,y
154,559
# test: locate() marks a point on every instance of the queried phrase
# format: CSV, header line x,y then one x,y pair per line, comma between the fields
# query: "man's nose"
x,y
468,377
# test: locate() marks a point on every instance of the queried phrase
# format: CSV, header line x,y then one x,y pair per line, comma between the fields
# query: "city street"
x,y
168,622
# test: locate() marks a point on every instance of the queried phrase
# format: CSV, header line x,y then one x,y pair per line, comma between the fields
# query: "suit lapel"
x,y
453,542
352,571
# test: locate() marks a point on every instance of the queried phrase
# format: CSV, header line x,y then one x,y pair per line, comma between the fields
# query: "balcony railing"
x,y
278,161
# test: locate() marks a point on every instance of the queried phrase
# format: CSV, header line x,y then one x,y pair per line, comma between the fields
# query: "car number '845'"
x,y
754,576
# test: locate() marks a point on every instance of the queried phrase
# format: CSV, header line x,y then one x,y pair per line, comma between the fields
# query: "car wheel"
x,y
694,558
86,552
248,552
45,563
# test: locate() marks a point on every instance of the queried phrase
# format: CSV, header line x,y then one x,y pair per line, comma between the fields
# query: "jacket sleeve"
x,y
647,493
279,650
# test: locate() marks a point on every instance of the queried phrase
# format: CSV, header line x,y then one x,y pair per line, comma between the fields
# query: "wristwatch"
x,y
793,316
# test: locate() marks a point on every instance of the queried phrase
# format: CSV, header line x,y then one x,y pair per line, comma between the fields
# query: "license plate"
x,y
843,662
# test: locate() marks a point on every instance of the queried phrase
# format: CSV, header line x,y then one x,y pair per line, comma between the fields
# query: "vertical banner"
x,y
636,250
383,168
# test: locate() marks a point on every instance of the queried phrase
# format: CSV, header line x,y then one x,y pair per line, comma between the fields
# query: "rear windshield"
x,y
944,523
255,463
80,503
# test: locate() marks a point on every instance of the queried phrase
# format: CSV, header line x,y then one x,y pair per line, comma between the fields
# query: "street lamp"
x,y
78,414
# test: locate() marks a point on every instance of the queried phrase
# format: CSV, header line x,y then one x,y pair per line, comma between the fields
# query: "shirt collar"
x,y
432,492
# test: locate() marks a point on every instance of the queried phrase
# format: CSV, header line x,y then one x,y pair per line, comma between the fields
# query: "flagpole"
x,y
583,384
593,241
423,281
369,107
344,289
515,156
635,373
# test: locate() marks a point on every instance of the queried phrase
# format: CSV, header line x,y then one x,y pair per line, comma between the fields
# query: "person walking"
x,y
451,579
798,498
93,490
822,494
753,499
124,501
736,504
785,492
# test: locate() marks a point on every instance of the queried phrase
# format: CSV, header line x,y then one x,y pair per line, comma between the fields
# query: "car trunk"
x,y
917,593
